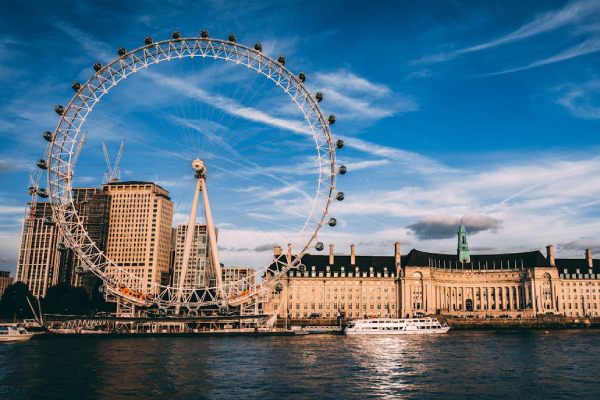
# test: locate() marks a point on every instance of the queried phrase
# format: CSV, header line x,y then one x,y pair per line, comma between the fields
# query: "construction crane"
x,y
78,149
113,172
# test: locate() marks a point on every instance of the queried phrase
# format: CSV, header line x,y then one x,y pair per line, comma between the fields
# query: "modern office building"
x,y
198,262
92,205
39,259
239,278
139,233
5,281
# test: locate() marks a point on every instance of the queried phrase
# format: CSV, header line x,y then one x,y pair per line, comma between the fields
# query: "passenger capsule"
x,y
49,136
331,119
101,289
42,164
148,40
204,34
332,222
59,109
339,143
79,270
302,77
122,51
76,86
97,67
319,246
61,247
339,196
31,190
176,35
302,268
231,38
42,193
342,170
319,97
278,287
281,60
49,221
258,47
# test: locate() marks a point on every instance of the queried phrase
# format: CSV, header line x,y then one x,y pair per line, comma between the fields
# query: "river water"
x,y
467,364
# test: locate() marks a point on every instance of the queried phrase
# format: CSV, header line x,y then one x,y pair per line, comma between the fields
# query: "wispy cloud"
x,y
90,45
581,99
411,160
355,98
529,198
571,14
588,46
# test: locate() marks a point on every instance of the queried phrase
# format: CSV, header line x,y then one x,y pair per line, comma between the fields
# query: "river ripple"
x,y
560,364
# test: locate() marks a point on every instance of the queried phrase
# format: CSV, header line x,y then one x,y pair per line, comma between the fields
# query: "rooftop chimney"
x,y
550,254
277,251
331,254
289,253
588,258
352,254
397,255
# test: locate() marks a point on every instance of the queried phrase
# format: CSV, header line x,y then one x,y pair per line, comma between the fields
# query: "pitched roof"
x,y
574,264
528,259
364,263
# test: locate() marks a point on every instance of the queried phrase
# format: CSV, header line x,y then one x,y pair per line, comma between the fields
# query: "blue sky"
x,y
487,111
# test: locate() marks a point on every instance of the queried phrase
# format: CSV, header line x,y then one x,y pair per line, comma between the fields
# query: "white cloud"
x,y
588,46
409,160
581,99
90,45
571,14
355,98
546,198
232,107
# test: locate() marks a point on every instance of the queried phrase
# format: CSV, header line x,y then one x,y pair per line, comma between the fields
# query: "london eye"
x,y
67,139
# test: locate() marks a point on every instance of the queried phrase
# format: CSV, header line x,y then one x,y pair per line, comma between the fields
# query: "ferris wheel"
x,y
66,141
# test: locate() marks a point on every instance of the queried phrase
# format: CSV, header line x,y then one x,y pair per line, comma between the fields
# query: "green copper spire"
x,y
464,255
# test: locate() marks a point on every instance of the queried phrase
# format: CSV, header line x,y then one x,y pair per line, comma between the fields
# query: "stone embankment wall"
x,y
540,322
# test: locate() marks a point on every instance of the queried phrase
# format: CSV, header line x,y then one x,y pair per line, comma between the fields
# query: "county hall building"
x,y
510,285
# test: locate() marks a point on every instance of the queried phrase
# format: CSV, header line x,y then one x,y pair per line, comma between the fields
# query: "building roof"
x,y
417,258
574,264
125,183
364,263
528,259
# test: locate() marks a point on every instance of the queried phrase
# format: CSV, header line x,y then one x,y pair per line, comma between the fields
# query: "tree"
x,y
13,305
76,301
53,302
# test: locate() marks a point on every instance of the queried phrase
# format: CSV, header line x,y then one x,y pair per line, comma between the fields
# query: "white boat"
x,y
396,326
13,333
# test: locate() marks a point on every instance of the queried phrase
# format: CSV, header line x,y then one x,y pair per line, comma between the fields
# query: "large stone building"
x,y
39,259
139,233
338,285
512,285
5,281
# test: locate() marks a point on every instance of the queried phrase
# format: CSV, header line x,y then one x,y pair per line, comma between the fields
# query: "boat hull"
x,y
400,332
15,338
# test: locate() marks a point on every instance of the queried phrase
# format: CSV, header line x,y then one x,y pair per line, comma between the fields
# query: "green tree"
x,y
76,301
53,301
13,305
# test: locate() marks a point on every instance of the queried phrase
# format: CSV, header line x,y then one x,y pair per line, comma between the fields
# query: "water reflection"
x,y
460,364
